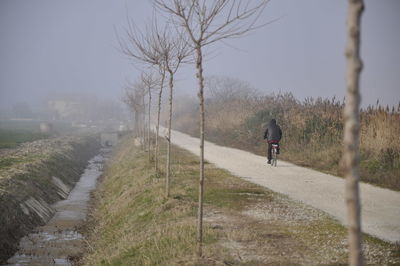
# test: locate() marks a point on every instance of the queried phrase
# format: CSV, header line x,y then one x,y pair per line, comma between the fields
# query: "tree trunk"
x,y
148,126
158,121
143,123
168,172
351,131
136,126
199,67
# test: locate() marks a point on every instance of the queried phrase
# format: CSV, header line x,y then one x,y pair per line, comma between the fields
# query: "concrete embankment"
x,y
32,178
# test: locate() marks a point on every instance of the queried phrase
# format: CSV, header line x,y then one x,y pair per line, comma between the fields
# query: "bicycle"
x,y
274,152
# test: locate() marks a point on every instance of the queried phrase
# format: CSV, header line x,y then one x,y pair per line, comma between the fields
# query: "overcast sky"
x,y
49,46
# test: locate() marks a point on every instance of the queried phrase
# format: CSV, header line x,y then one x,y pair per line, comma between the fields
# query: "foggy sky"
x,y
49,46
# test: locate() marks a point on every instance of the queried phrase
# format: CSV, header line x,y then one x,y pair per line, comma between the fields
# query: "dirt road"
x,y
380,207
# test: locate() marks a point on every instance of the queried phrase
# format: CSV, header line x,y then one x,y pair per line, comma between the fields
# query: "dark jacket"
x,y
273,132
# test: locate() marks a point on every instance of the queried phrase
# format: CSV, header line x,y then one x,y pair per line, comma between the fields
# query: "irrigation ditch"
x,y
36,180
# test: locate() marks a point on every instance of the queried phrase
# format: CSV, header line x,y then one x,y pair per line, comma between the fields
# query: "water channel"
x,y
58,242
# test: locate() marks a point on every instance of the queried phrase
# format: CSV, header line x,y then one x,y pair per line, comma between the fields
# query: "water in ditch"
x,y
59,242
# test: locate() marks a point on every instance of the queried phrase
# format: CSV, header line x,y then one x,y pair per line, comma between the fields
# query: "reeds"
x,y
312,132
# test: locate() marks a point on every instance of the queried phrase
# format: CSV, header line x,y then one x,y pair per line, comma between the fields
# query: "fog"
x,y
52,50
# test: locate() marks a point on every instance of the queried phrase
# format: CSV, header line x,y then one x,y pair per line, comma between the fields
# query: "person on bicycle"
x,y
273,135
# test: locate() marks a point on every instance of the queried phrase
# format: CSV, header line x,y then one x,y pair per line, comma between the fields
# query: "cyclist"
x,y
273,134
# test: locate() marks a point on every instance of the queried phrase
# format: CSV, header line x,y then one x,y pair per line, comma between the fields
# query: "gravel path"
x,y
380,207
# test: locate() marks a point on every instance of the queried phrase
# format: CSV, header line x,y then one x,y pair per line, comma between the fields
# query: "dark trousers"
x,y
269,153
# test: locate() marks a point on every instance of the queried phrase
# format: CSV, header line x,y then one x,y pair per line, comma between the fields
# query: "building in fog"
x,y
66,109
83,108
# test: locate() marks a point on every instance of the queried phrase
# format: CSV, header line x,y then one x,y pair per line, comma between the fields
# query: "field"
x,y
14,132
132,223
312,131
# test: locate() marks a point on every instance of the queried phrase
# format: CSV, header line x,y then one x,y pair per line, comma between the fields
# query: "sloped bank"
x,y
33,177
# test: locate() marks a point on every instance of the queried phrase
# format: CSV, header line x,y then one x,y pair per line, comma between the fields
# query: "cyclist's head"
x,y
273,121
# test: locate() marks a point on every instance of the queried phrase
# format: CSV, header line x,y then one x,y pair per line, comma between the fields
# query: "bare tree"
x,y
351,156
174,50
168,50
206,22
143,48
139,46
150,82
134,99
230,101
225,88
162,79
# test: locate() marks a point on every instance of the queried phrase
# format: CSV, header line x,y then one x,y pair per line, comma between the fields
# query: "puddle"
x,y
58,242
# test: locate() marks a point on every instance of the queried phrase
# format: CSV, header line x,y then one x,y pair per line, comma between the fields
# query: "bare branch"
x,y
150,80
209,21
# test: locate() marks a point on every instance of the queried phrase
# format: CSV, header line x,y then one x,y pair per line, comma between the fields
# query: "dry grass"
x,y
133,224
312,129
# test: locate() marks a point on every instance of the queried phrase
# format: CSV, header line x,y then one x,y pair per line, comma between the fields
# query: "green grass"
x,y
8,162
14,132
11,138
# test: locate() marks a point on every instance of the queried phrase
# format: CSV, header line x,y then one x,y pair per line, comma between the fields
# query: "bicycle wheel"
x,y
273,161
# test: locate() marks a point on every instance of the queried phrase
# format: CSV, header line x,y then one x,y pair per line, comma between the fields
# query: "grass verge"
x,y
132,222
